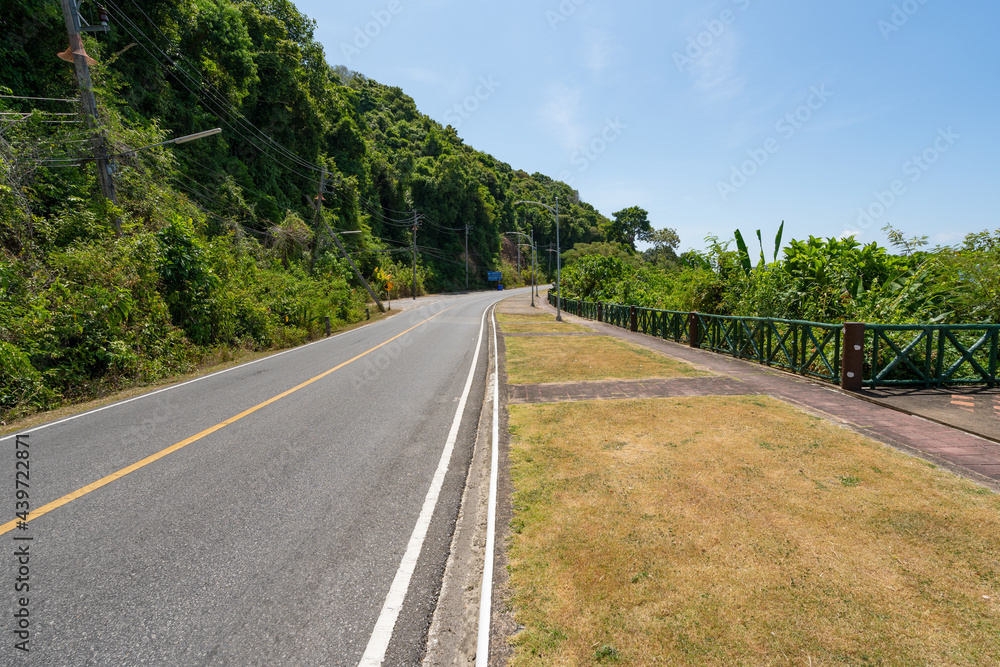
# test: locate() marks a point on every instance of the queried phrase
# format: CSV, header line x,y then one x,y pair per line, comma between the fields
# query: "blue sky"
x,y
836,117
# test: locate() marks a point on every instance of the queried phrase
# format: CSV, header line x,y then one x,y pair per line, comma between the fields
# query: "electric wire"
x,y
179,80
211,92
44,99
221,99
213,97
195,78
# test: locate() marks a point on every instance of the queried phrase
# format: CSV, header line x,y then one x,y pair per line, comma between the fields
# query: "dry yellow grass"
x,y
740,531
543,327
585,358
516,315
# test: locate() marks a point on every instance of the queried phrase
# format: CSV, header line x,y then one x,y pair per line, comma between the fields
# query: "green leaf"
x,y
744,253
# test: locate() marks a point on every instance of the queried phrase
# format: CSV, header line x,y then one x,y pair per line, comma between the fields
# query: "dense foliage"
x,y
221,244
820,280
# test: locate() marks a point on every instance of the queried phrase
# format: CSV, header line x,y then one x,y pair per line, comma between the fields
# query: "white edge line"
x,y
175,386
486,592
379,642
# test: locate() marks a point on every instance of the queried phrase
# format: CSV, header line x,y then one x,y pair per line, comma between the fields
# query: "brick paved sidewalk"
x,y
560,392
958,451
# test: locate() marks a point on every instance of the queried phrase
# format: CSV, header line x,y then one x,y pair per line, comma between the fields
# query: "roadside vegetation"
x,y
739,530
820,280
215,247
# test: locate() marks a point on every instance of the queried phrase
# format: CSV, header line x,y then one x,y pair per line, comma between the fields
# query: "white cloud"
x,y
598,49
424,75
561,112
947,238
714,71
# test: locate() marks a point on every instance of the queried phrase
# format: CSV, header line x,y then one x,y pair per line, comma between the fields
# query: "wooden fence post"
x,y
693,332
853,357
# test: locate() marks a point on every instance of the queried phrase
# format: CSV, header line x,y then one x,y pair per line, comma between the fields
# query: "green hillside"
x,y
220,244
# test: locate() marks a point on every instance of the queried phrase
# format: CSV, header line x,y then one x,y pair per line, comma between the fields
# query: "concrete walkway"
x,y
963,453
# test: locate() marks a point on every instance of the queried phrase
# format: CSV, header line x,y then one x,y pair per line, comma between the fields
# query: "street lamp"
x,y
558,259
532,246
178,140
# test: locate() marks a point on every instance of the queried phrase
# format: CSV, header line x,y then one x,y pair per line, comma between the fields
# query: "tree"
x,y
604,249
664,250
630,225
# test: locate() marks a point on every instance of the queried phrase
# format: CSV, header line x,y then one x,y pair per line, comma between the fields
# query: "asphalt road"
x,y
273,539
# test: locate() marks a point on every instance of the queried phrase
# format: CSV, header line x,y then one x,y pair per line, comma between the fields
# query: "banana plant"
x,y
744,252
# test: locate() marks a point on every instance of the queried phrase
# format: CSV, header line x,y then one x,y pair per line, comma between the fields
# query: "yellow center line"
x,y
70,497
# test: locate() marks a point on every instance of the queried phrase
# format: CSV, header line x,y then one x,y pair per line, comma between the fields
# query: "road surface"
x,y
258,516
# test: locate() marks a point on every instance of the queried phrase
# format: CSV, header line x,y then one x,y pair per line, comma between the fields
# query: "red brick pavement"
x,y
655,388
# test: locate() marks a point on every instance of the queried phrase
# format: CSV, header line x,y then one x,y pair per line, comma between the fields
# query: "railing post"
x,y
693,332
579,308
853,357
600,311
633,319
326,325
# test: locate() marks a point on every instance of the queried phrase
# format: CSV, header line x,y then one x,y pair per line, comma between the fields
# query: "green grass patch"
x,y
525,317
580,359
543,327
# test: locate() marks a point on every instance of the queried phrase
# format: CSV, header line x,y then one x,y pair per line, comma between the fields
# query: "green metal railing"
x,y
931,355
666,324
617,315
895,355
807,348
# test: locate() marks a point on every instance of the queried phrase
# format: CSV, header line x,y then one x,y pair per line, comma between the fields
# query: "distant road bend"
x,y
296,510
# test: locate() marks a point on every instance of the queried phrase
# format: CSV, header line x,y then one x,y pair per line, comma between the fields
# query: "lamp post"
x,y
530,245
178,140
558,259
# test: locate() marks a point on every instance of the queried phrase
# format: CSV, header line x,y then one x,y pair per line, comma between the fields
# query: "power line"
x,y
43,99
210,91
235,130
259,195
29,113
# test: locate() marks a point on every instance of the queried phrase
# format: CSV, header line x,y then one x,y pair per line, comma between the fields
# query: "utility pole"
x,y
79,57
534,277
319,218
416,226
558,267
340,246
